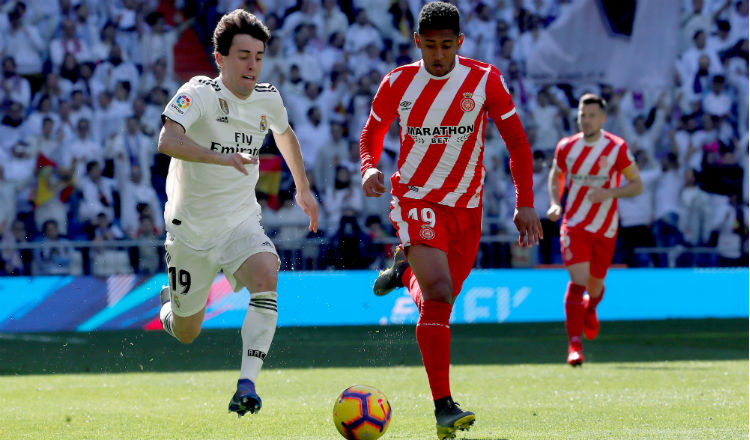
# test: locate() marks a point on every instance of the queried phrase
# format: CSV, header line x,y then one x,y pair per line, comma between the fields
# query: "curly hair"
x,y
237,22
439,16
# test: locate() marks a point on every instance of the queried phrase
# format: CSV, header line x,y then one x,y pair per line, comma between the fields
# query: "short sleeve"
x,y
559,161
624,157
279,122
185,106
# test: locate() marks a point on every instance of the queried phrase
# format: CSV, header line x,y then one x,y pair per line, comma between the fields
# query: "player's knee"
x,y
440,289
265,280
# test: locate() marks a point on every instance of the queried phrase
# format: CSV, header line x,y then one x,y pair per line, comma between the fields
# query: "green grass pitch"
x,y
674,379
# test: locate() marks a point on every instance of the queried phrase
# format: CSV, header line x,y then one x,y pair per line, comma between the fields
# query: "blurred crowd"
x,y
84,83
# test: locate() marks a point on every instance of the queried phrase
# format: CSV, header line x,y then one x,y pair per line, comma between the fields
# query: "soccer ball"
x,y
361,413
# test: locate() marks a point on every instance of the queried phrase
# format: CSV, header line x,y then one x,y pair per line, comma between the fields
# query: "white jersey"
x,y
204,201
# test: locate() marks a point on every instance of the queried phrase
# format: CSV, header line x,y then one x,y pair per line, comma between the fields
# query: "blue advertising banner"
x,y
47,304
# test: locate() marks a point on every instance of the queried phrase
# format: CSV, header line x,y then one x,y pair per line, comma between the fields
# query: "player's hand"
x,y
528,225
373,183
238,161
306,201
598,195
554,212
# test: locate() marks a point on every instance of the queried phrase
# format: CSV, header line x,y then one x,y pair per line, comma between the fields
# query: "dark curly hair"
x,y
439,16
237,22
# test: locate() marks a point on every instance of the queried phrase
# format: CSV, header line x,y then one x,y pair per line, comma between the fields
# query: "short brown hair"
x,y
590,98
237,22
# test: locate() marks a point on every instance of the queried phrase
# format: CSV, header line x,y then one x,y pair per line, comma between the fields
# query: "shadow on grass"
x,y
321,347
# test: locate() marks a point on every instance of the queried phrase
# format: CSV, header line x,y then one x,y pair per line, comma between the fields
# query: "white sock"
x,y
257,332
166,318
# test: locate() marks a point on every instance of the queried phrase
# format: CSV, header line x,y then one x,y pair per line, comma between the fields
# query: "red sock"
x,y
434,339
574,312
593,302
410,280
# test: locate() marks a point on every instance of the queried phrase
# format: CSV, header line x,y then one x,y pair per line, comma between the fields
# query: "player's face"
x,y
439,49
591,119
240,69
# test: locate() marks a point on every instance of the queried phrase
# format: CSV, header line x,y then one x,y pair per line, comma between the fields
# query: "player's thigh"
x,y
579,273
430,266
466,232
249,253
190,274
576,246
603,249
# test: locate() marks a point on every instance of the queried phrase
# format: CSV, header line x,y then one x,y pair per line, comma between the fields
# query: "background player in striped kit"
x,y
594,160
213,130
442,102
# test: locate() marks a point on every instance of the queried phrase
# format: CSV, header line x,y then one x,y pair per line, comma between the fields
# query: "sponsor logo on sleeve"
x,y
263,123
181,104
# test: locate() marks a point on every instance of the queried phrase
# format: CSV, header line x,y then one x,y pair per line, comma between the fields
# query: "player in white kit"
x,y
213,130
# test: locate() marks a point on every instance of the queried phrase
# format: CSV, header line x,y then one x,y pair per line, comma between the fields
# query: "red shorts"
x,y
580,246
456,231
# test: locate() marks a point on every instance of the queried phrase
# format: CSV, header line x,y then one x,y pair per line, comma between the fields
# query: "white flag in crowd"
x,y
625,43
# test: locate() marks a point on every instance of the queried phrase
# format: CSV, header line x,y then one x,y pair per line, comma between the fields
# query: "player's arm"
x,y
175,143
626,163
383,112
370,149
555,187
501,109
288,145
631,189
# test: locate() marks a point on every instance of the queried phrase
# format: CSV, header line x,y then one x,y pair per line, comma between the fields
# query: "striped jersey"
x,y
442,121
592,166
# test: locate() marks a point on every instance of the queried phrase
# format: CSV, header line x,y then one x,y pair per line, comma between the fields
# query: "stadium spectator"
x,y
206,184
81,149
97,195
131,148
438,261
13,88
25,45
333,20
637,214
136,194
16,261
69,43
159,75
146,259
595,160
57,256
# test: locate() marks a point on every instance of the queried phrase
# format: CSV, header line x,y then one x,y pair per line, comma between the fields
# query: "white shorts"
x,y
191,272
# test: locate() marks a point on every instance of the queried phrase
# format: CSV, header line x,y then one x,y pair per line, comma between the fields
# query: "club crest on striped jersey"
x,y
427,233
603,162
224,106
467,103
263,123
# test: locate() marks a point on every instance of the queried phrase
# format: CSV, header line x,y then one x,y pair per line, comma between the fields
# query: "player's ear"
x,y
416,41
460,40
219,59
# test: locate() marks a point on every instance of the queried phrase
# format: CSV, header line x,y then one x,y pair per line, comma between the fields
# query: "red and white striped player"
x,y
594,161
442,103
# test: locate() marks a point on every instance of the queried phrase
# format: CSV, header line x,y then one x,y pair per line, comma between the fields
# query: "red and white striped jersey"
x,y
442,123
592,166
